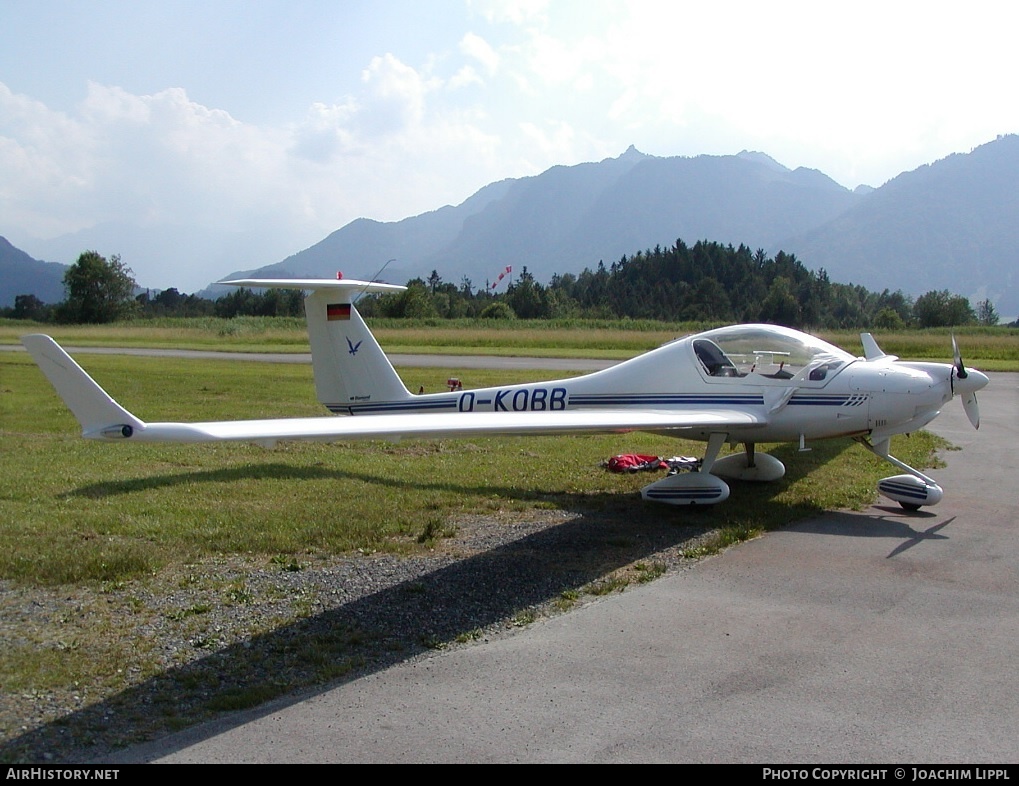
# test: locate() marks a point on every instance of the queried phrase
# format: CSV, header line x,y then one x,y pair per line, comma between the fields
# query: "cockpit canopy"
x,y
768,350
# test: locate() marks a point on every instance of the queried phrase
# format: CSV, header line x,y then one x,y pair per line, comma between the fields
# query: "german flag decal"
x,y
337,311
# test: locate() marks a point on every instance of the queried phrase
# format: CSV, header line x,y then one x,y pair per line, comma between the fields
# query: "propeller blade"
x,y
969,403
960,369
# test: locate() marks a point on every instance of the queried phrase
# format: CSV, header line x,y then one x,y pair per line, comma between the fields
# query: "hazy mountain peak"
x,y
761,158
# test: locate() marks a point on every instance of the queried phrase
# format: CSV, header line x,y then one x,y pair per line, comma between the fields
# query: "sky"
x,y
284,121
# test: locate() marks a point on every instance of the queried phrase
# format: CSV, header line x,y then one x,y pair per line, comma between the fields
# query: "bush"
x,y
498,310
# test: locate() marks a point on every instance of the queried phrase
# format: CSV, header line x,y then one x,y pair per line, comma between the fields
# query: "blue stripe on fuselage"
x,y
827,400
663,399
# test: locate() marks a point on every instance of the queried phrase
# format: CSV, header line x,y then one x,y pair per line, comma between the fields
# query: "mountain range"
x,y
951,224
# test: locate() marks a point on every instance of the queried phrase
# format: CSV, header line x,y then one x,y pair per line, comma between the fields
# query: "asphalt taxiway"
x,y
877,636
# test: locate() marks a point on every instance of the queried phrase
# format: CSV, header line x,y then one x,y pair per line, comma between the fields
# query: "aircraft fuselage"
x,y
830,397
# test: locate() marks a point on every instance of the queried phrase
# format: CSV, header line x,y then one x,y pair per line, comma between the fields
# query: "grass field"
x,y
93,530
76,510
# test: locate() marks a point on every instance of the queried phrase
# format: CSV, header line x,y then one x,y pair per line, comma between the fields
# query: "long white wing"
x,y
103,418
337,428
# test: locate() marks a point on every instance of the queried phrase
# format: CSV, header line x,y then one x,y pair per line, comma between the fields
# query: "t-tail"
x,y
350,367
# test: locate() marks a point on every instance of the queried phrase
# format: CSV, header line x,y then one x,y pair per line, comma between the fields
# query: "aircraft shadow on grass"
x,y
799,465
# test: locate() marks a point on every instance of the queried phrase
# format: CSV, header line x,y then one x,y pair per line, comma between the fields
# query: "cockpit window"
x,y
713,359
769,351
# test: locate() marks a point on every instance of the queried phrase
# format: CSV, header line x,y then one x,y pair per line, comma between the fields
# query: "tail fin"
x,y
99,415
349,364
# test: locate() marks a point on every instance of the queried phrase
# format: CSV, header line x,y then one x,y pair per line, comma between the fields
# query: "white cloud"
x,y
112,105
464,77
476,47
396,94
861,95
164,159
48,161
553,143
325,132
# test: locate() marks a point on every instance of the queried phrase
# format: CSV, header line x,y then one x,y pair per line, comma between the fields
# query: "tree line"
x,y
100,290
706,282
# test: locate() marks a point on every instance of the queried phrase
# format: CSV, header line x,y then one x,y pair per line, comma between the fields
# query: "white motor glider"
x,y
743,384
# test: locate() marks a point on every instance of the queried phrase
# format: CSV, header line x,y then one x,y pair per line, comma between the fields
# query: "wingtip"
x,y
94,408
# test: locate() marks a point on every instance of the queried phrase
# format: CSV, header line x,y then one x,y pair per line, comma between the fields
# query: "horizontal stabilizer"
x,y
346,288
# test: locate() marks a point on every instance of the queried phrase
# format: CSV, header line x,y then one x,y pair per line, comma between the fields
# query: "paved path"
x,y
877,636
